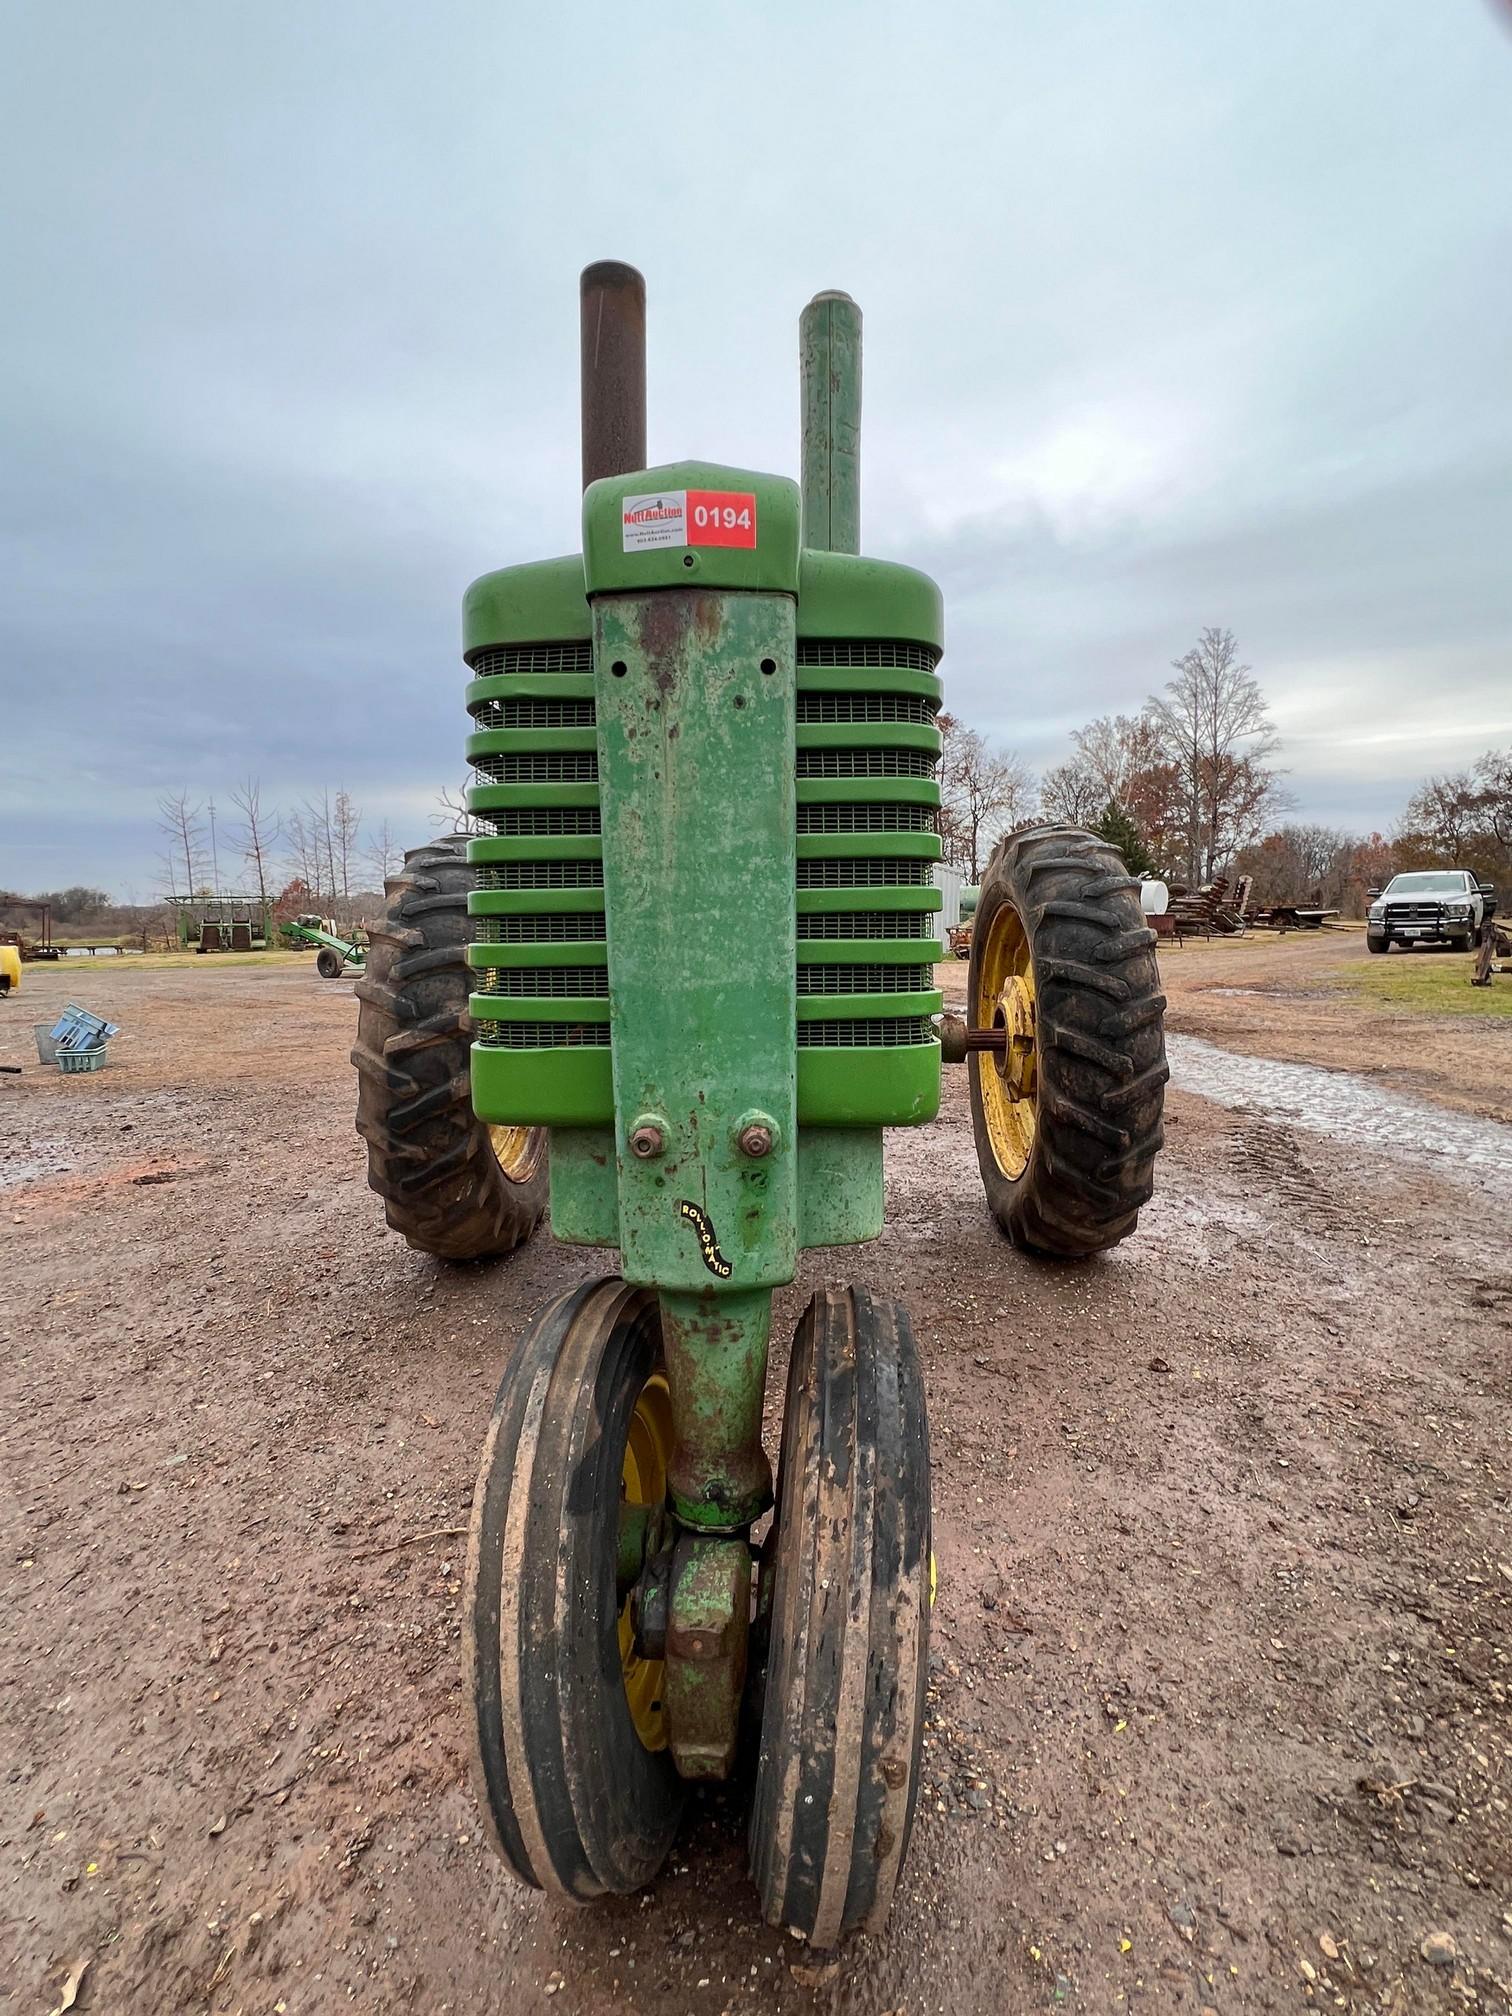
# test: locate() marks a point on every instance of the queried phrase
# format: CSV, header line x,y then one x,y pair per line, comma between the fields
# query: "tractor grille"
x,y
867,752
581,767
865,924
574,657
544,1035
866,819
865,772
864,874
866,651
550,983
578,928
881,979
533,741
866,707
866,763
534,714
555,819
889,1032
548,875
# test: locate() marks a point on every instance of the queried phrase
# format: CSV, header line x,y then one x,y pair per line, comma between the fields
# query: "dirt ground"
x,y
1224,1523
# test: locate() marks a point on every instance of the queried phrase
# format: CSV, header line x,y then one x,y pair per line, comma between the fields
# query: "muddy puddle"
x,y
32,1161
1349,1110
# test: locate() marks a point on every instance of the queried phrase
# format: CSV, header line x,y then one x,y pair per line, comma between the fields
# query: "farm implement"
x,y
336,949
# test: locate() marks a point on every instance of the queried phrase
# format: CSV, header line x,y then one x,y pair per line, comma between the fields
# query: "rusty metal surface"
x,y
716,1357
613,328
829,346
957,1041
708,1635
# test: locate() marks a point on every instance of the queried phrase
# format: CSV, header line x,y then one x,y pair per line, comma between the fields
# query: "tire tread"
x,y
1101,1050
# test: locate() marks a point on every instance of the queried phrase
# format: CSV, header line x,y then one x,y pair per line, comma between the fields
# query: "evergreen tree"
x,y
1118,829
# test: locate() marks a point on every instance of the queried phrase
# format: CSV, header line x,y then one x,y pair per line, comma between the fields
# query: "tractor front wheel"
x,y
1067,1111
845,1617
570,1751
453,1185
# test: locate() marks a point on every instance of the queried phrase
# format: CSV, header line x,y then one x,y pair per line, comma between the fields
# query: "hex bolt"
x,y
756,1141
647,1142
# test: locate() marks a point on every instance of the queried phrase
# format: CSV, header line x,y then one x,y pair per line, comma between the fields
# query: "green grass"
x,y
173,962
1427,983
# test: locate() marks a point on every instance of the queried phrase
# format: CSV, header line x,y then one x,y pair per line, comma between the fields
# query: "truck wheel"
x,y
328,964
451,1184
1067,1115
846,1623
570,1753
1375,944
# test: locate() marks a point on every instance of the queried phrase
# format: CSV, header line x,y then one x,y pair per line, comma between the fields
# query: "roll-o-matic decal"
x,y
708,1245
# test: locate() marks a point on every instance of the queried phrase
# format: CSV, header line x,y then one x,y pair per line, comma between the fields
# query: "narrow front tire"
x,y
847,1624
569,1757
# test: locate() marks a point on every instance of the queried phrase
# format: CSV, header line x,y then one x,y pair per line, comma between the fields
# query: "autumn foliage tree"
x,y
1463,820
1119,760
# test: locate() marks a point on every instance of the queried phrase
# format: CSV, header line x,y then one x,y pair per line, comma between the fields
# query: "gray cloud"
x,y
1175,315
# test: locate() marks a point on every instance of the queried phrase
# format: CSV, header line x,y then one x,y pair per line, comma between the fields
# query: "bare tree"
x,y
346,823
1213,726
1301,863
984,792
1441,811
384,852
304,857
1493,779
258,833
186,836
1071,794
452,814
319,837
214,847
1116,748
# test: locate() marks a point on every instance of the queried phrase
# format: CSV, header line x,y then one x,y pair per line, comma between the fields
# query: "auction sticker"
x,y
660,518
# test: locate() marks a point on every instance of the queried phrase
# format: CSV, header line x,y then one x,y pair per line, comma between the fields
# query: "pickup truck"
x,y
1442,906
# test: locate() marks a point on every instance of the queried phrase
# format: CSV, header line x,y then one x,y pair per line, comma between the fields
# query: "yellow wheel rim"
x,y
1008,1081
643,1481
518,1150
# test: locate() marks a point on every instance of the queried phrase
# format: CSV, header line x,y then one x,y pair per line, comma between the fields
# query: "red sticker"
x,y
721,518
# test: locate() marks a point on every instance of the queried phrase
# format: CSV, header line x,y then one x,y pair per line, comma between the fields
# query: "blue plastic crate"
x,y
76,1029
92,1059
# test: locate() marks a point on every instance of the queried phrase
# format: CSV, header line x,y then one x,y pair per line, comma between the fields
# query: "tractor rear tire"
x,y
328,964
450,1184
1061,956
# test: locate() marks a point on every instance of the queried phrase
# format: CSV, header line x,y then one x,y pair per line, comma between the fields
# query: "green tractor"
x,y
691,948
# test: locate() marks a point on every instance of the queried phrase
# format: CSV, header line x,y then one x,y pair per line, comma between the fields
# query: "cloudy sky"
x,y
1177,313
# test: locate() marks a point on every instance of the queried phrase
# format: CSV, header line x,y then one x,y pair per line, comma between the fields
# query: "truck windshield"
x,y
1427,885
